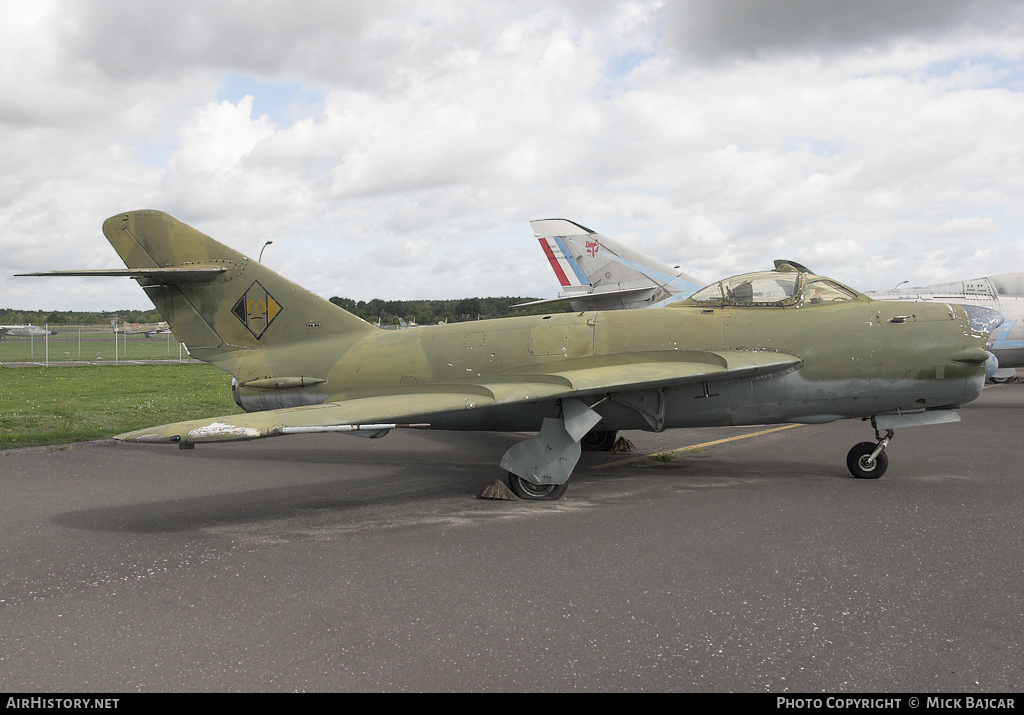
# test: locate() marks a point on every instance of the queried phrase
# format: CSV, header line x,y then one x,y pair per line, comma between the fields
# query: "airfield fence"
x,y
93,345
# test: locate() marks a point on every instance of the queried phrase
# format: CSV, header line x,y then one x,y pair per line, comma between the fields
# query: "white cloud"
x,y
420,137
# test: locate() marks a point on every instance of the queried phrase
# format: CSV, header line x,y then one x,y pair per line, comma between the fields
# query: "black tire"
x,y
598,440
857,461
1000,380
525,489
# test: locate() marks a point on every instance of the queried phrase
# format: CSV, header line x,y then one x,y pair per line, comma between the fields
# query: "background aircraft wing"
x,y
386,409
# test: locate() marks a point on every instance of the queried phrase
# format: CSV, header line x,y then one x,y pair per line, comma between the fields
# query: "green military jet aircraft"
x,y
770,347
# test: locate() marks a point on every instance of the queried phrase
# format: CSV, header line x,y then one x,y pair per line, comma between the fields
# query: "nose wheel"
x,y
868,460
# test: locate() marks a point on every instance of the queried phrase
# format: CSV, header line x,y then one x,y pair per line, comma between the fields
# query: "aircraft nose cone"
x,y
982,320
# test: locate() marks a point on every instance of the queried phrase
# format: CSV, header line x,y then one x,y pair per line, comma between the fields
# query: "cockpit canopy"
x,y
789,285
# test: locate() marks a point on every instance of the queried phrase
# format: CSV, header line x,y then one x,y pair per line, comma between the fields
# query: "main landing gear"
x,y
525,489
539,467
868,460
598,440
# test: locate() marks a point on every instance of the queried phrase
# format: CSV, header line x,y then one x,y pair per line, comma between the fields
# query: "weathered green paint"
x,y
688,364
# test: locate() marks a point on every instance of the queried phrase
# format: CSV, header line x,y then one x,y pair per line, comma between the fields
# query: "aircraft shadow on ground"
x,y
409,484
404,482
345,450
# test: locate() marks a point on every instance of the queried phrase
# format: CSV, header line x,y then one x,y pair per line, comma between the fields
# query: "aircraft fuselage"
x,y
856,359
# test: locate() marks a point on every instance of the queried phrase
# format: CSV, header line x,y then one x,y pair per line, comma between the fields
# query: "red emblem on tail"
x,y
593,247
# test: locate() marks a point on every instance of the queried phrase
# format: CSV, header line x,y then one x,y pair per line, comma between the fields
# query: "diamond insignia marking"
x,y
256,309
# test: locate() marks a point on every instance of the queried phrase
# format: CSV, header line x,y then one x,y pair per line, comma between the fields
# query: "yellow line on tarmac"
x,y
697,446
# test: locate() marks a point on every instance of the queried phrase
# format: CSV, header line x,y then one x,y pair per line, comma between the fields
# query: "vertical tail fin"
x,y
567,269
214,298
598,273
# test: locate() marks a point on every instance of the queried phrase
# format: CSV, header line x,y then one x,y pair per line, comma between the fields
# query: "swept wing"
x,y
392,406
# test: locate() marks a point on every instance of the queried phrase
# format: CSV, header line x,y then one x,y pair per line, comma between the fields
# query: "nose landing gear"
x,y
868,460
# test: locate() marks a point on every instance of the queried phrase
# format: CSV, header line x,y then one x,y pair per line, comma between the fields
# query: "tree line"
x,y
386,312
431,312
9,316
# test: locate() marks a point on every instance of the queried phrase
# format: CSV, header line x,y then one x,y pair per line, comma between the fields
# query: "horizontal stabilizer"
x,y
220,303
190,274
595,295
545,301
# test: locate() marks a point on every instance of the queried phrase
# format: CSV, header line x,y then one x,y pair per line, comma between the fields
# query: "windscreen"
x,y
767,288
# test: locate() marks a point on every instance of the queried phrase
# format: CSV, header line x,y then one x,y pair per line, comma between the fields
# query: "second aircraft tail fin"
x,y
597,273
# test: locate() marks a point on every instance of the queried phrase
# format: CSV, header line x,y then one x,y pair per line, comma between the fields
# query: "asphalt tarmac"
x,y
334,563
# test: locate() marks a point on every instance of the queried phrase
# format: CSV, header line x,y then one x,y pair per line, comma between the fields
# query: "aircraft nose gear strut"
x,y
868,460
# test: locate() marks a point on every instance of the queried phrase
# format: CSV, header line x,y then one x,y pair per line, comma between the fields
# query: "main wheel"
x,y
525,489
1000,380
859,466
598,440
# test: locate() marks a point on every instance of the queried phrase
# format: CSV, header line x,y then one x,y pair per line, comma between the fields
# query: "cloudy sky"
x,y
397,149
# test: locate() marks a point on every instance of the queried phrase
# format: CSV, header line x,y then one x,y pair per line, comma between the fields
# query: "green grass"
x,y
663,457
57,405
